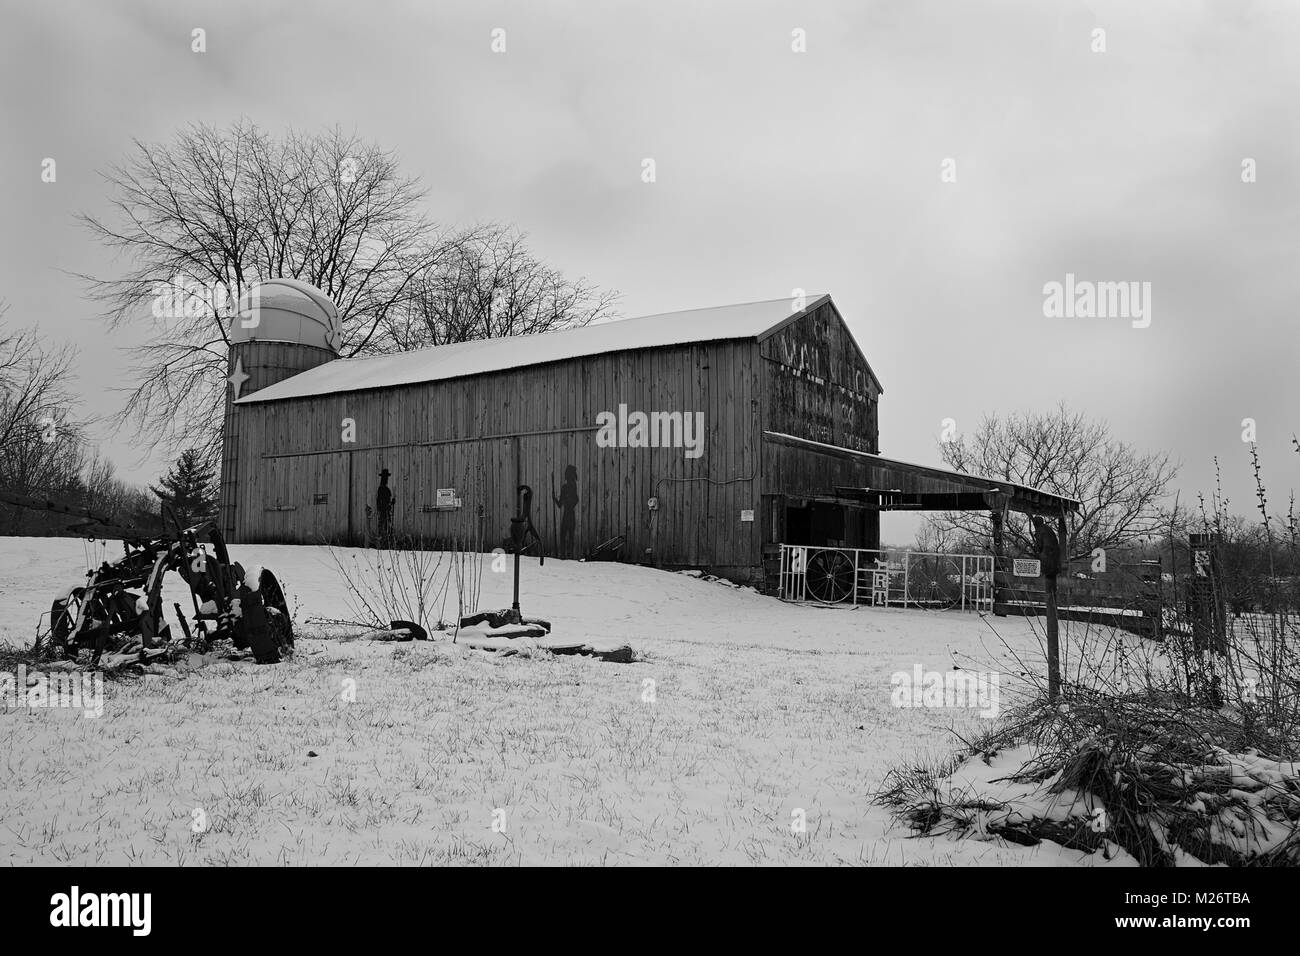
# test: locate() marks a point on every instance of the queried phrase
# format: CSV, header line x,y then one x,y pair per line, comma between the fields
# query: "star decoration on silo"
x,y
238,377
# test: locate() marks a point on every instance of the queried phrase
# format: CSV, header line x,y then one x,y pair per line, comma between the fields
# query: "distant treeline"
x,y
96,490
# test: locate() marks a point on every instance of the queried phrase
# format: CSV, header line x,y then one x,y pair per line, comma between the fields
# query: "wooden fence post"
x,y
1053,634
1053,640
1208,600
996,518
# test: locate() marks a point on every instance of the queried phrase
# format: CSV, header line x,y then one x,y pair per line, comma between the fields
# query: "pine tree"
x,y
188,489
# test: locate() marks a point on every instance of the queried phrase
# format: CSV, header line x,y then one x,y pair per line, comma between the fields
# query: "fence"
x,y
886,577
1128,596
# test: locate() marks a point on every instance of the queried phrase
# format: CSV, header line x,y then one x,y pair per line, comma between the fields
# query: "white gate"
x,y
886,577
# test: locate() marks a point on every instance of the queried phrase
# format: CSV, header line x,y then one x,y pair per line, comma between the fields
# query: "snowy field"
x,y
759,711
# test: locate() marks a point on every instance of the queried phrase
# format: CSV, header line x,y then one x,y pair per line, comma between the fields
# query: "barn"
x,y
698,439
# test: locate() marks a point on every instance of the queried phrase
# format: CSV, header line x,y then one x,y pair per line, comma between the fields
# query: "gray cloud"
x,y
776,170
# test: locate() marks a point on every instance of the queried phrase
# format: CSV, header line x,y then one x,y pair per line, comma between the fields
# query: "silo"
x,y
280,328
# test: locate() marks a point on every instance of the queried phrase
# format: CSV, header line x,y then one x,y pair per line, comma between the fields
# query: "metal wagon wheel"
x,y
829,576
277,612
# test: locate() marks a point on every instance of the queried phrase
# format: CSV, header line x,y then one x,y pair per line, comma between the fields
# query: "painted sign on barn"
x,y
820,387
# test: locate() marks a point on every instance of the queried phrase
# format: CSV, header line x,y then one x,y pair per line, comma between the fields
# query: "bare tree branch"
x,y
1119,489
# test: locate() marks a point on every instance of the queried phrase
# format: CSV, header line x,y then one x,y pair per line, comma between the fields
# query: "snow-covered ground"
x,y
744,717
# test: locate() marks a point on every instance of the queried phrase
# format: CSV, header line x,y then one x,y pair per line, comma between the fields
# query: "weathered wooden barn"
x,y
702,438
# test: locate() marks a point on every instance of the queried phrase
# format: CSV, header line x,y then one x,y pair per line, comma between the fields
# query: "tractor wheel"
x,y
829,576
277,613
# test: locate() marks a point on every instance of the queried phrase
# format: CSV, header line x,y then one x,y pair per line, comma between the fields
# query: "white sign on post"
x,y
1202,563
1026,567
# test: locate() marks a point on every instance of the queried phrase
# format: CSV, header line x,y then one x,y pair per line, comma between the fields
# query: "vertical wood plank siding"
x,y
294,479
472,434
265,363
818,384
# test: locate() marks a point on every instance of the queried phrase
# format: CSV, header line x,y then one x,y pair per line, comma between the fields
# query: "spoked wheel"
x,y
277,613
829,576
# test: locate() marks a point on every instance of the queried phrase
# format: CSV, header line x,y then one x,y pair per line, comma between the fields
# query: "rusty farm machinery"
x,y
119,609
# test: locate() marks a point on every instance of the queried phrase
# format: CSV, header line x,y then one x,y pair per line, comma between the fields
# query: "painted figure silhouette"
x,y
567,502
384,505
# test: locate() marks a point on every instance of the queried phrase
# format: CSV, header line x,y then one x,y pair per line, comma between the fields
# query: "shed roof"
x,y
751,320
891,474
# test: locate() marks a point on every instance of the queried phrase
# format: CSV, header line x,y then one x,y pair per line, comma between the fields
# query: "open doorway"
x,y
821,524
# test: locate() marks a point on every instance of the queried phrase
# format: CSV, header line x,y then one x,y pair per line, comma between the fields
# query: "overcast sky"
x,y
775,170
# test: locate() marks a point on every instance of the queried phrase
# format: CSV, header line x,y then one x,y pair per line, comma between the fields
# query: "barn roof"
x,y
751,320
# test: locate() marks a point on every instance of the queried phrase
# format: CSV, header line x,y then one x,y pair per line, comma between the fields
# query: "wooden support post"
x,y
996,517
1219,603
1063,534
1053,640
1209,619
1049,594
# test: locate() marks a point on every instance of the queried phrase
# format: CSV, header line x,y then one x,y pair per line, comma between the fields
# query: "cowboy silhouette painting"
x,y
384,505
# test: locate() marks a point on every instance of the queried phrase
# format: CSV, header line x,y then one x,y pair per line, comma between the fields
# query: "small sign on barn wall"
x,y
747,514
447,498
1026,567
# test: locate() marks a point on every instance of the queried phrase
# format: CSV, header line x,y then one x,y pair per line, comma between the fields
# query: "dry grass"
x,y
1176,778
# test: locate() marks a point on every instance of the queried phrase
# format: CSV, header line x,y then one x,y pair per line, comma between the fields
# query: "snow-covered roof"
x,y
287,310
750,320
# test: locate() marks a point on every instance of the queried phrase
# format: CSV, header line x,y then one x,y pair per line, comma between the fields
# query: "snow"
x,y
742,711
746,321
1256,779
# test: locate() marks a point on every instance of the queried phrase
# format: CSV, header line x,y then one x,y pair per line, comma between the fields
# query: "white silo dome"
x,y
287,310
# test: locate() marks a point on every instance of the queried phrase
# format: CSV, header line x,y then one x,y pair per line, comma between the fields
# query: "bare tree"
x,y
1062,452
214,211
492,285
37,424
936,538
42,441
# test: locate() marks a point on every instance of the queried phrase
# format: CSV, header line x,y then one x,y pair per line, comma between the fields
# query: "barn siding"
x,y
818,385
265,363
484,434
814,383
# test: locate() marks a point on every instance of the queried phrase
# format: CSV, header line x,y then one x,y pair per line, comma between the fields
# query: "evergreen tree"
x,y
189,488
